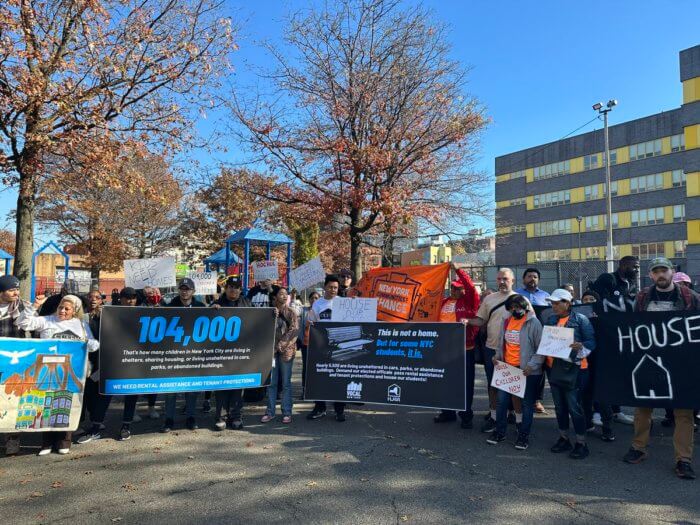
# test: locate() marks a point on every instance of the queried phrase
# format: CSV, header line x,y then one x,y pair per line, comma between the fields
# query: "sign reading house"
x,y
649,359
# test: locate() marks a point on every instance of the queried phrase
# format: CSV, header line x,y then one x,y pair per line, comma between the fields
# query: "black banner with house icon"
x,y
648,359
413,364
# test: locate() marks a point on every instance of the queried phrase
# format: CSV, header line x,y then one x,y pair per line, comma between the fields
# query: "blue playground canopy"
x,y
219,258
7,258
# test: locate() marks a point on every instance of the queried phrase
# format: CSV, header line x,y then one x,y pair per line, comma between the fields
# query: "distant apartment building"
x,y
551,197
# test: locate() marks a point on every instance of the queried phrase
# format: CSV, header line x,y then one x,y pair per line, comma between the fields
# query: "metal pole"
x,y
608,197
580,258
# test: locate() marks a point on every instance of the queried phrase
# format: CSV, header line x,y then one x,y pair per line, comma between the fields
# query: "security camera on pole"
x,y
608,200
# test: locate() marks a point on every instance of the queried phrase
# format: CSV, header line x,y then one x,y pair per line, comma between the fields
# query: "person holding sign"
x,y
520,337
462,304
666,296
568,377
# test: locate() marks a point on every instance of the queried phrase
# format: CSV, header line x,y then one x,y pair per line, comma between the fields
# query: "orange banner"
x,y
407,293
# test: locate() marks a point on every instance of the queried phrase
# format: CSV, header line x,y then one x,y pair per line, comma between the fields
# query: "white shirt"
x,y
50,327
321,310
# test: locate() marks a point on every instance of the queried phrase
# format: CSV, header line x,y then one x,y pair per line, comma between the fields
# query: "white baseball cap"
x,y
560,295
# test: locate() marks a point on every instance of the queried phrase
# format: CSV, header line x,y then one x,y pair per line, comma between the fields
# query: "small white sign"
x,y
263,270
509,379
307,275
204,282
159,272
354,310
556,342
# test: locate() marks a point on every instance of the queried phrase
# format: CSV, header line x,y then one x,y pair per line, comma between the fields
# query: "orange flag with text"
x,y
407,293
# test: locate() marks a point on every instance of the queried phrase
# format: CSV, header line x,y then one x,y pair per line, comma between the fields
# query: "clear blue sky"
x,y
537,66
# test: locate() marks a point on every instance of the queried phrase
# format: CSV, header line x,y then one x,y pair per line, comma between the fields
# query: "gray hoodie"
x,y
530,336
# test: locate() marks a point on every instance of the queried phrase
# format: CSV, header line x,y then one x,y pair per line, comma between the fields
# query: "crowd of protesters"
x,y
501,326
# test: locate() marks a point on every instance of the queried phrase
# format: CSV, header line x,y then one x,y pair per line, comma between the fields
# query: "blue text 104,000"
x,y
155,329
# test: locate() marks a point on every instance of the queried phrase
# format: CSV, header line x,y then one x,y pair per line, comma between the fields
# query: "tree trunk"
x,y
24,241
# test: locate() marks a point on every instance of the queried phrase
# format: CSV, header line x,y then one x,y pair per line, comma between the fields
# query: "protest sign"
x,y
263,270
648,359
82,277
409,293
307,275
354,310
41,384
556,341
204,282
413,364
146,350
509,379
158,272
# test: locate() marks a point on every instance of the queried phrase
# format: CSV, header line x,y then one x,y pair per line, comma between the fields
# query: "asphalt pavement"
x,y
384,465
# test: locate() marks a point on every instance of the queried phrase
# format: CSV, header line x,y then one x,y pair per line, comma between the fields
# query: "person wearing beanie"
x,y
67,323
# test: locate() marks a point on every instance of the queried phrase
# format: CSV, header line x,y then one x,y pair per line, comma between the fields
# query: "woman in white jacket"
x,y
66,323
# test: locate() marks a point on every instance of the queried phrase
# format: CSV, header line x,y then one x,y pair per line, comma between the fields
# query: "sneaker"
x,y
488,426
522,442
316,414
220,424
495,438
539,408
623,418
125,433
684,470
62,451
668,422
580,451
511,418
236,424
153,413
466,423
137,419
44,452
93,435
206,406
191,423
562,445
608,436
445,417
596,419
634,456
12,446
590,428
340,417
168,426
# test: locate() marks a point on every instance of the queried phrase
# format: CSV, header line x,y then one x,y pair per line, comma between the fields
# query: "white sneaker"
x,y
153,413
137,419
63,451
596,420
44,452
11,446
623,418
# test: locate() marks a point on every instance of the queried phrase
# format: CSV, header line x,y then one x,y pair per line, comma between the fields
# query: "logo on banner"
x,y
393,394
354,390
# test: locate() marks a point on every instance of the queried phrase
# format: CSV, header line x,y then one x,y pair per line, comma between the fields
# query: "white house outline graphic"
x,y
657,362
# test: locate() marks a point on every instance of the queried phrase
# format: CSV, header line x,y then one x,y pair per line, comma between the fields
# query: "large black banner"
x,y
649,359
153,350
413,364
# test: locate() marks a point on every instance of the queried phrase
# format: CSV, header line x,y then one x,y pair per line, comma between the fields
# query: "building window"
x,y
517,202
679,213
678,177
613,188
592,253
649,250
678,142
551,170
679,248
590,162
647,217
644,150
517,174
560,227
555,198
646,183
592,222
613,158
518,228
591,193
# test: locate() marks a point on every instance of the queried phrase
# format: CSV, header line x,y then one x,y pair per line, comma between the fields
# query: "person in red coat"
x,y
462,304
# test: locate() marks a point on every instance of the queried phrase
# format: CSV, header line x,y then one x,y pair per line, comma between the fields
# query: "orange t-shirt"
x,y
512,341
550,360
448,311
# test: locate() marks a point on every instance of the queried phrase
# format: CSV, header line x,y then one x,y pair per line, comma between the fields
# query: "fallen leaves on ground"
x,y
57,485
128,486
36,494
311,484
571,503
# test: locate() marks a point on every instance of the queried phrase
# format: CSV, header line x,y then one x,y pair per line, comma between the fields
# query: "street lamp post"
x,y
608,200
580,259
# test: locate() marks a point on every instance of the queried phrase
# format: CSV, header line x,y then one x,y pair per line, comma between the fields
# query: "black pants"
x,y
321,406
467,414
589,406
231,401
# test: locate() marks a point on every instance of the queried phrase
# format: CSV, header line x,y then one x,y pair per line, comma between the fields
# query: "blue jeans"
x,y
284,368
568,403
528,406
190,404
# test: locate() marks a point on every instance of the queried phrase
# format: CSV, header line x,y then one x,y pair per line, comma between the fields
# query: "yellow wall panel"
x,y
576,195
530,229
623,187
530,257
529,174
692,187
692,136
668,249
694,231
691,90
624,219
668,179
502,178
576,165
623,154
502,204
530,202
624,249
668,214
666,145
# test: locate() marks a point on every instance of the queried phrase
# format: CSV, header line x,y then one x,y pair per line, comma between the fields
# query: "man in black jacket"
x,y
231,400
